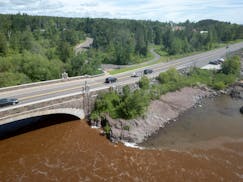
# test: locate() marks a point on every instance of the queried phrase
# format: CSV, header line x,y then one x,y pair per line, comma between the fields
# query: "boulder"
x,y
241,110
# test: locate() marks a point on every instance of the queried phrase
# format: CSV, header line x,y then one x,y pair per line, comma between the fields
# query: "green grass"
x,y
145,58
162,59
116,71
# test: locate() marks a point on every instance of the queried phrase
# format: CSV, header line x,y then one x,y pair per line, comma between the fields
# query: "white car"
x,y
136,74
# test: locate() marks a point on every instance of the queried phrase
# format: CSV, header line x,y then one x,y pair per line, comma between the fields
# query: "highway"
x,y
42,92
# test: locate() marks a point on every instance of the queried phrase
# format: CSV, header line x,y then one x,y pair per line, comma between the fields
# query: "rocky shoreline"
x,y
159,113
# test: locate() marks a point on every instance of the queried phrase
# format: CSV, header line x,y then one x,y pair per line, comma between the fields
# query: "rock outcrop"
x,y
160,112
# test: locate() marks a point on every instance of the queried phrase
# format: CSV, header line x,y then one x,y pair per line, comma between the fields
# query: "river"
x,y
217,119
205,144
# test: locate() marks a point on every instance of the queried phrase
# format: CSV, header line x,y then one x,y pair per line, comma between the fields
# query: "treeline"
x,y
27,42
203,35
133,103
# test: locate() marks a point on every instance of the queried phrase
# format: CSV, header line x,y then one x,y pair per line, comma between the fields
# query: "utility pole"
x,y
86,96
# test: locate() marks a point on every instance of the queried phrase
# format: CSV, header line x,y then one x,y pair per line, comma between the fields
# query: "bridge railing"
x,y
5,89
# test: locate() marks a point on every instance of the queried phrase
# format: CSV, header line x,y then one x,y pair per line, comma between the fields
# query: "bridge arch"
x,y
79,113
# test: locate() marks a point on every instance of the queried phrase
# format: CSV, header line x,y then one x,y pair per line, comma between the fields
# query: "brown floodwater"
x,y
72,151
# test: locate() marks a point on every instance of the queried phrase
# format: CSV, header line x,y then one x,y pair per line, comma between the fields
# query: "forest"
x,y
38,48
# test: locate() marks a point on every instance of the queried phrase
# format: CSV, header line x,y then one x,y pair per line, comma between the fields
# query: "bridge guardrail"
x,y
4,89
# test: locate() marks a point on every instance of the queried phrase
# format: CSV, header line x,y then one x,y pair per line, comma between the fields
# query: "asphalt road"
x,y
39,93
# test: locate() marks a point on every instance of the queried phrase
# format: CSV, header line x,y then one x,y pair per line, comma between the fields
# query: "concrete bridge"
x,y
77,104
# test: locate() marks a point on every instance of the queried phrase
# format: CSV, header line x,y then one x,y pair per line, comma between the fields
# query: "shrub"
x,y
231,66
107,130
172,75
144,83
107,103
219,85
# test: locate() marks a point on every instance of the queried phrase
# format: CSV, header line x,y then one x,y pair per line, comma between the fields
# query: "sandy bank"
x,y
160,112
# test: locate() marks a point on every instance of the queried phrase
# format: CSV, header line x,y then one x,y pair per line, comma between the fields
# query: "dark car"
x,y
110,79
8,101
147,71
214,62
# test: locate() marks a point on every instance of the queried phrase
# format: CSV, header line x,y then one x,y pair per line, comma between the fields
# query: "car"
x,y
220,60
8,101
136,74
147,71
214,62
110,79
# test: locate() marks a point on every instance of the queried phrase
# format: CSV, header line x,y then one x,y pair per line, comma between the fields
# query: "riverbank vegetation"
x,y
36,48
133,103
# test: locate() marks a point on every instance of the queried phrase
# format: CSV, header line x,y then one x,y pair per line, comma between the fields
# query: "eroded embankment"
x,y
160,112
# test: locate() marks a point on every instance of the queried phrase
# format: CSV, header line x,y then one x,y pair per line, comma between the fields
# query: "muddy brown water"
x,y
72,151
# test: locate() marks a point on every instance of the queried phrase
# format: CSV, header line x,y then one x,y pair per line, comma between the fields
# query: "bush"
x,y
128,105
226,79
154,92
172,75
231,66
201,76
95,116
134,104
219,85
107,103
144,83
107,130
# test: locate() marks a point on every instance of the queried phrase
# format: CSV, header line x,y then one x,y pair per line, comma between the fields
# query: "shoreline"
x,y
160,112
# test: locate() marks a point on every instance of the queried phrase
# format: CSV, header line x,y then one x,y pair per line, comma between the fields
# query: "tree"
x,y
108,103
123,44
26,41
85,63
141,42
10,78
65,51
3,45
175,46
133,104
